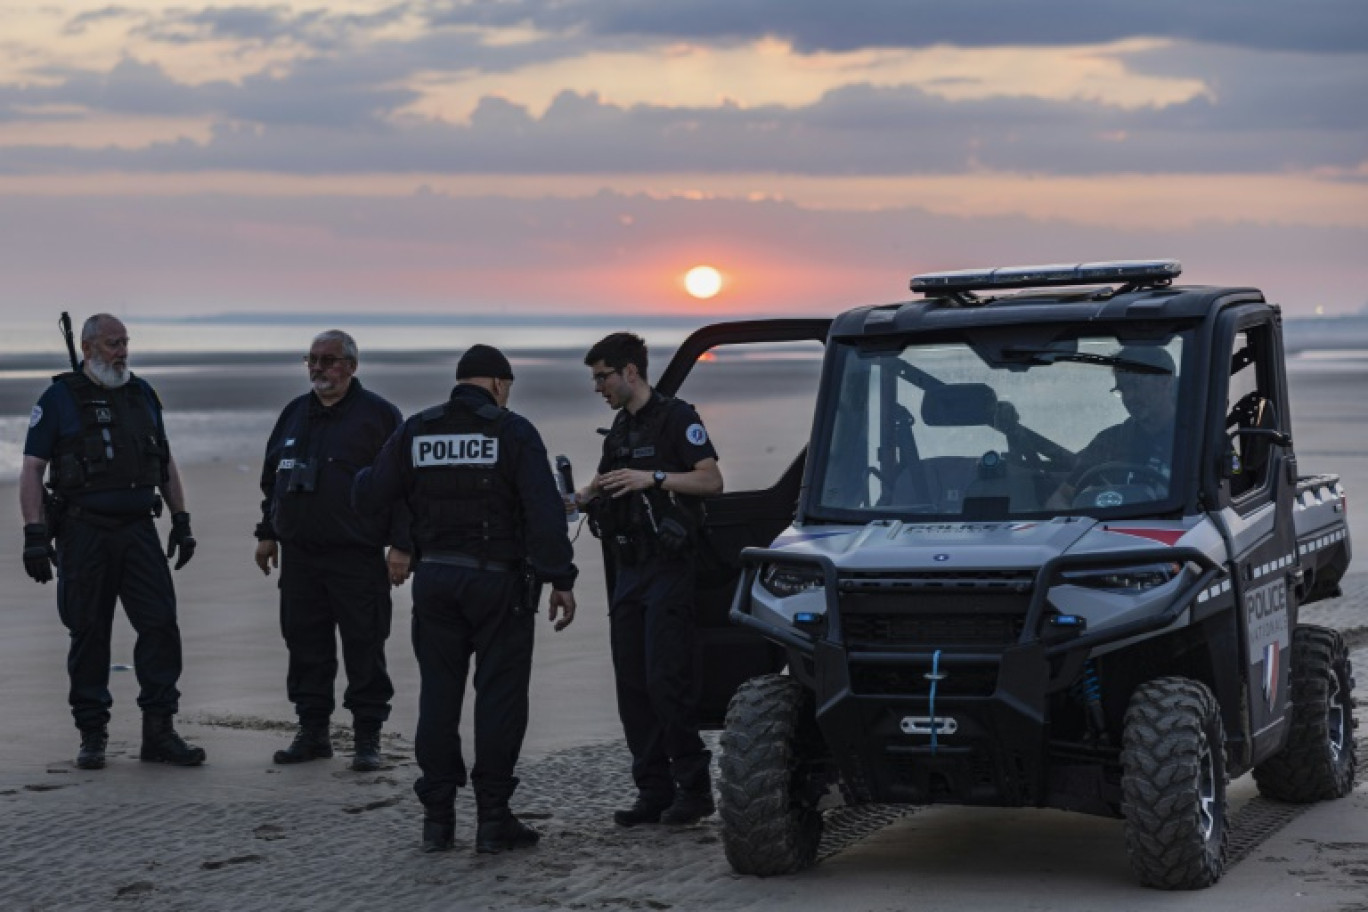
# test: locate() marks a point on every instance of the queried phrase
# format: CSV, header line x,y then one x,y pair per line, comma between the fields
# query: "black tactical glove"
x,y
38,555
181,539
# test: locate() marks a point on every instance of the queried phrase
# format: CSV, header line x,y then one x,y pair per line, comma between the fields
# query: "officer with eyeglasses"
x,y
489,528
98,432
645,503
335,574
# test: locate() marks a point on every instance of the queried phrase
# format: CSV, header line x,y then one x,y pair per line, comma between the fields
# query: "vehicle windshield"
x,y
998,427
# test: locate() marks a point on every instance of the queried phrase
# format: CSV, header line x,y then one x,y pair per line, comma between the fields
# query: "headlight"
x,y
784,580
1125,579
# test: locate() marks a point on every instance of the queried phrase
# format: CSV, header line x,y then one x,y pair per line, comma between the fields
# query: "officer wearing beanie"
x,y
489,530
98,433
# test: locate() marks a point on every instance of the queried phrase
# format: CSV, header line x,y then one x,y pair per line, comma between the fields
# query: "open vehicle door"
x,y
755,384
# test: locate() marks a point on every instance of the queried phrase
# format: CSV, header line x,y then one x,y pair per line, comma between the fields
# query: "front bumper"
x,y
934,687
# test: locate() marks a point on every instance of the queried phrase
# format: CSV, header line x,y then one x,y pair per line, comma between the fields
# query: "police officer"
x,y
645,503
99,431
489,528
1141,446
336,576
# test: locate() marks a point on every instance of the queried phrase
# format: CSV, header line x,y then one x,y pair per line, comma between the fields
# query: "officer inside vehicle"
x,y
1140,448
489,529
99,430
336,577
645,503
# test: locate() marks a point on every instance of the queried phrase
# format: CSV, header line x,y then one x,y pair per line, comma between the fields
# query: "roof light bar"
x,y
1140,272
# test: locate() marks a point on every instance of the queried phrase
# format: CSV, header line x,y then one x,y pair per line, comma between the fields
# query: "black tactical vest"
x,y
119,445
638,444
462,499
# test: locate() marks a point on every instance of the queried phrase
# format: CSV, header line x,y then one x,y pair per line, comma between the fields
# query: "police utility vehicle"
x,y
1046,548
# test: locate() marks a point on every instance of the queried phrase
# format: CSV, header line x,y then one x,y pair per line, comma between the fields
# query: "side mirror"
x,y
1253,420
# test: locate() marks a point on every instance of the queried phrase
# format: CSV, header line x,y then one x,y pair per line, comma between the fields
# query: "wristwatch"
x,y
659,478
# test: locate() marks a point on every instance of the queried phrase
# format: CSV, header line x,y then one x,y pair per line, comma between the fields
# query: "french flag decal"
x,y
1270,674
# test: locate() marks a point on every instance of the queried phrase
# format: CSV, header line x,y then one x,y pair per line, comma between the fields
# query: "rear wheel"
x,y
1319,760
771,778
1173,785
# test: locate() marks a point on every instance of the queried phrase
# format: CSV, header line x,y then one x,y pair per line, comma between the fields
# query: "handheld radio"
x,y
565,481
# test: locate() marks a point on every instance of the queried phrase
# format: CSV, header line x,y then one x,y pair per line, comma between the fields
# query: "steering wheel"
x,y
1121,473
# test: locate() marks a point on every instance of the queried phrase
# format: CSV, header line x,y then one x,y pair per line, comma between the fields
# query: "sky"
x,y
176,157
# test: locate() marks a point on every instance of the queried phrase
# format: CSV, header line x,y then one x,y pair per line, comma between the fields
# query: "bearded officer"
x,y
489,529
99,431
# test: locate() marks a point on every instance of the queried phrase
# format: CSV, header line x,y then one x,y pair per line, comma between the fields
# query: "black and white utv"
x,y
992,580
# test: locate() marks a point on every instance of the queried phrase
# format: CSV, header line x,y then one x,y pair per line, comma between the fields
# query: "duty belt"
x,y
457,559
105,520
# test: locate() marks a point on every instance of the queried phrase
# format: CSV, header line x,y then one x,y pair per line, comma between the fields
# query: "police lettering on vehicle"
x,y
455,450
1267,608
1266,617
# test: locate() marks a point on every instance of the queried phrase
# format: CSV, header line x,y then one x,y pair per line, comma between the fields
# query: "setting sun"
x,y
703,282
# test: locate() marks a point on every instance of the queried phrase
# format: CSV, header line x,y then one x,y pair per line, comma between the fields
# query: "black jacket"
x,y
312,456
539,528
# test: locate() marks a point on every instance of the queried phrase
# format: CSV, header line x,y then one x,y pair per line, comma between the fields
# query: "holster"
x,y
529,590
54,511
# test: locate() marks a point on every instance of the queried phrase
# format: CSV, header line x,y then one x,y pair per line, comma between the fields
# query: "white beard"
x,y
106,374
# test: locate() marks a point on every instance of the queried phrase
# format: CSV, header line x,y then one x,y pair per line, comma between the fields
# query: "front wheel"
x,y
1173,785
1318,761
769,780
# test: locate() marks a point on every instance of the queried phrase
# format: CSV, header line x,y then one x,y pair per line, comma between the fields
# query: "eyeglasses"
x,y
324,361
601,377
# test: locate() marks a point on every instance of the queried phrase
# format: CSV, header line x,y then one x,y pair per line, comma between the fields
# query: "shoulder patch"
x,y
696,434
35,416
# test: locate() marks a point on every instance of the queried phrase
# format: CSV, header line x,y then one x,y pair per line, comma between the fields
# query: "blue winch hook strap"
x,y
935,679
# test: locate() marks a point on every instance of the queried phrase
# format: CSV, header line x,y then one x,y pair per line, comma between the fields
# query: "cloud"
x,y
429,251
78,24
266,25
328,118
316,93
813,25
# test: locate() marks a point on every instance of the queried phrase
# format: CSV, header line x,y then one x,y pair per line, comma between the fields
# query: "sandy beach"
x,y
240,833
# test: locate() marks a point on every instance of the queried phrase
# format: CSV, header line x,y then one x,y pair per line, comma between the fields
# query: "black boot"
x,y
503,832
92,753
688,808
438,835
366,758
311,742
439,826
161,744
644,810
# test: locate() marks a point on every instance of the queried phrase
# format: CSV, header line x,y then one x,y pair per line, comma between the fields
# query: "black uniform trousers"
x,y
457,613
325,592
652,632
99,565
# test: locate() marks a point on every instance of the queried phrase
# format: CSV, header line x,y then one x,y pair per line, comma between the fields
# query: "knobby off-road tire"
x,y
1318,761
1173,785
770,821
